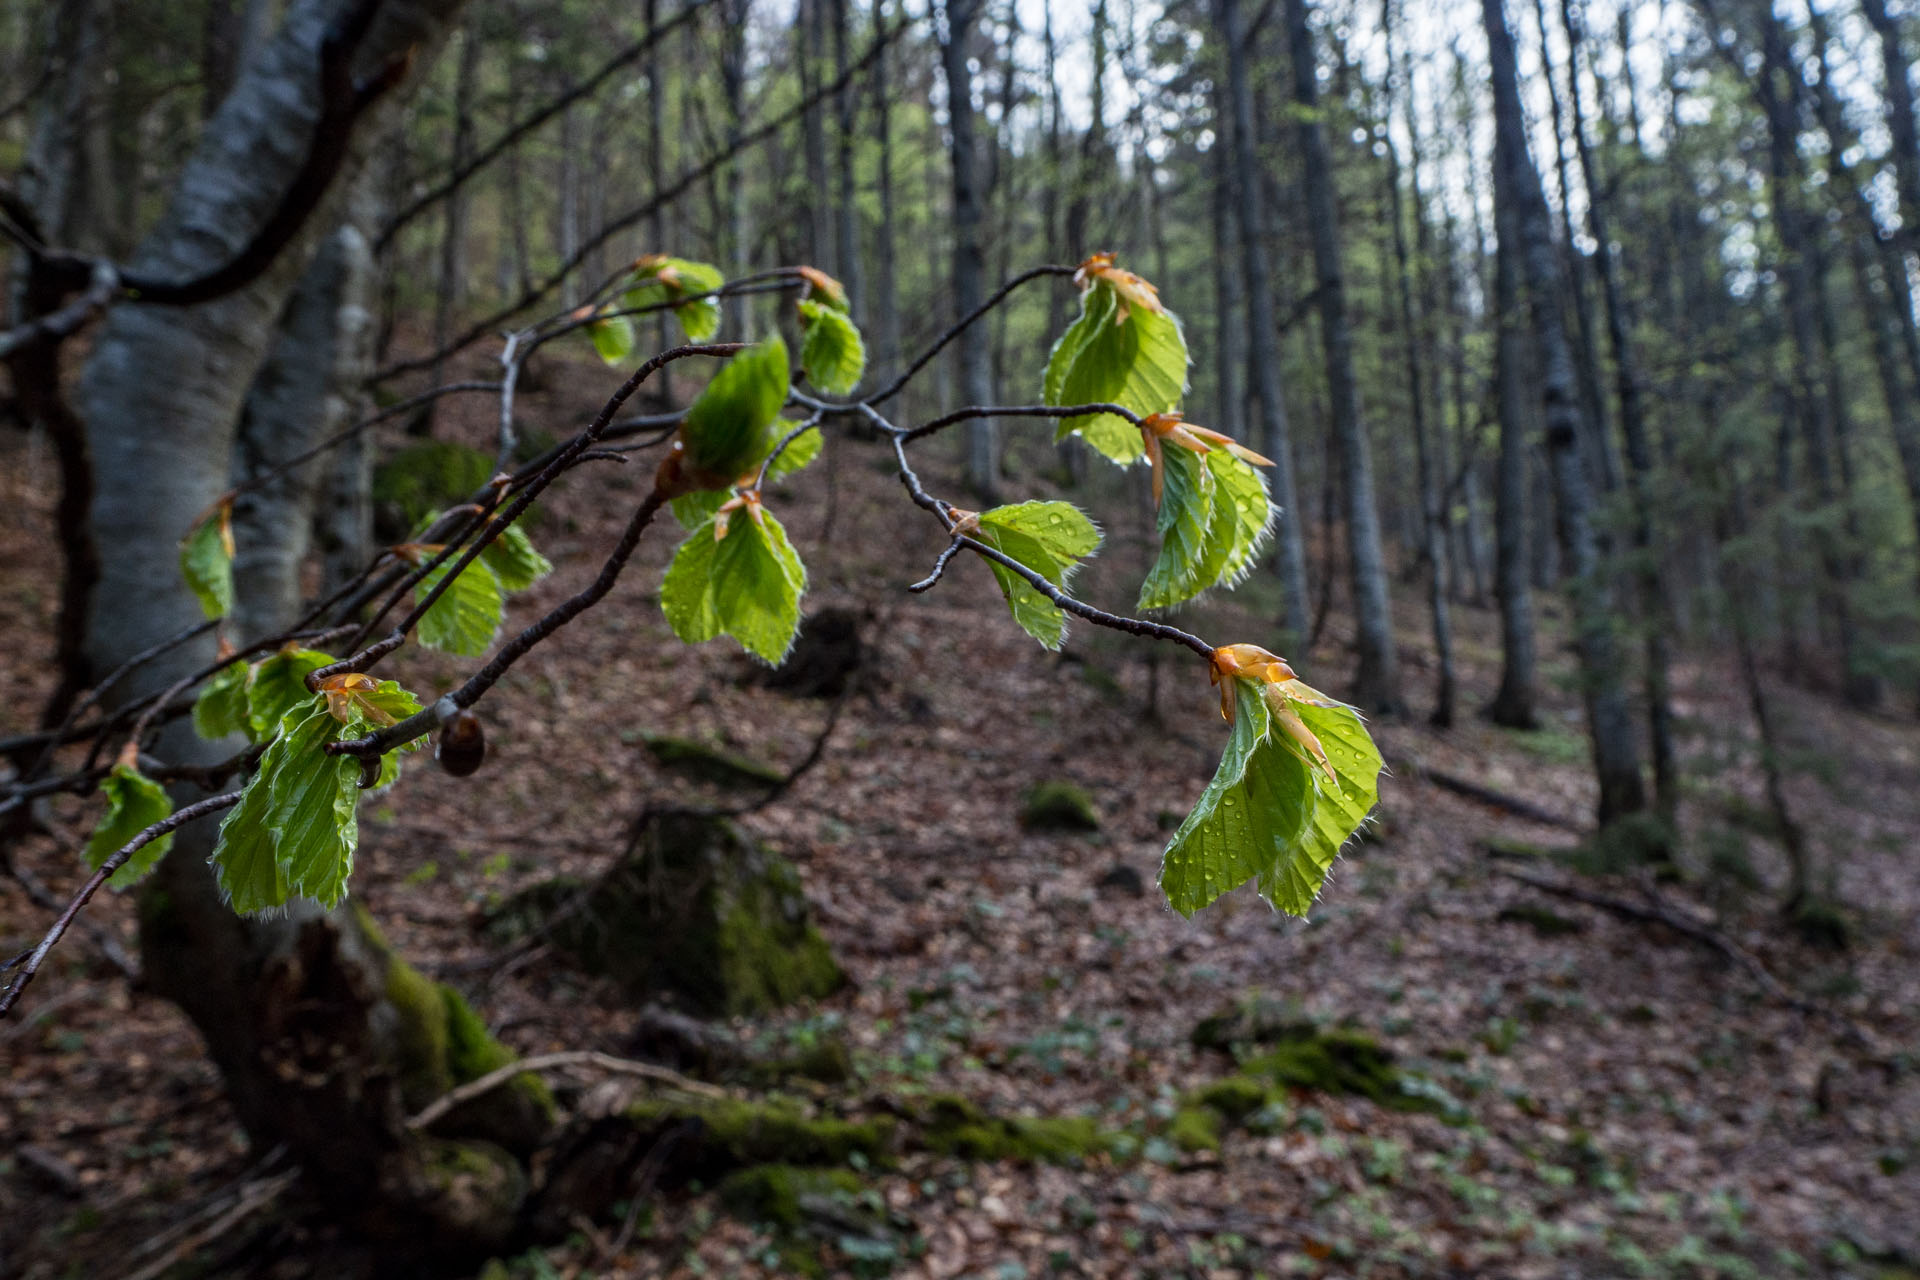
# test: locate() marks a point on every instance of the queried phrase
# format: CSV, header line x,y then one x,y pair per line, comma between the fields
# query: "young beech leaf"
x,y
1240,521
1251,818
692,509
800,451
1184,519
515,564
1345,783
659,279
312,797
206,561
1050,538
466,617
134,803
746,584
249,878
279,685
1120,352
612,338
725,430
832,353
221,708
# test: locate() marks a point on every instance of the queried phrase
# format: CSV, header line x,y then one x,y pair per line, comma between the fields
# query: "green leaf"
x,y
746,585
279,685
757,583
1250,819
206,561
1048,537
466,617
221,708
686,593
695,509
668,279
612,338
1343,800
1184,519
515,564
1240,521
725,429
134,803
1139,361
831,353
244,866
312,797
803,449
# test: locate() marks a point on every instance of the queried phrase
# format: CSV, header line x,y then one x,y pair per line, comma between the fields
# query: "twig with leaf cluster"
x,y
1299,771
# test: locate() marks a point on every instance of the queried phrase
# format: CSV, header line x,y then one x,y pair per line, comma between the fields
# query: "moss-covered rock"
x,y
700,762
1822,922
699,911
1058,806
1254,1019
1339,1060
951,1125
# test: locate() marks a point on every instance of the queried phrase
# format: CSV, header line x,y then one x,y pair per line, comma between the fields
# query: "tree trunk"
x,y
1615,757
1654,604
325,1038
1513,703
1376,684
969,264
1427,454
846,213
733,80
1263,332
1898,88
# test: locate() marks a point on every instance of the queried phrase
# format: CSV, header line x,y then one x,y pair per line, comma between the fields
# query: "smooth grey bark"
x,y
1616,759
969,263
657,179
308,1016
1655,604
1376,682
809,49
1263,333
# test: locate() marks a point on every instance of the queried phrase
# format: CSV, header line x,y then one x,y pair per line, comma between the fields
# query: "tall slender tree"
x,y
1610,725
1376,683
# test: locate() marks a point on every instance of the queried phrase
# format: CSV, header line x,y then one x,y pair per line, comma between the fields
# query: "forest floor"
x,y
1619,1099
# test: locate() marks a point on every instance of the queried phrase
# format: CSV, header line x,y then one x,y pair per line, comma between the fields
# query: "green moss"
x,y
734,1133
1195,1129
703,763
775,1193
765,968
428,476
1337,1060
1823,922
1058,806
421,1033
951,1125
1234,1098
